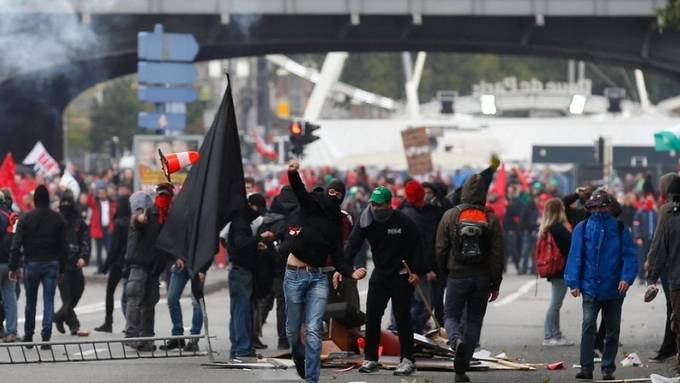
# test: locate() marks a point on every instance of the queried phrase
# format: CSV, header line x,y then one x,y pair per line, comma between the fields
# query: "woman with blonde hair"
x,y
554,223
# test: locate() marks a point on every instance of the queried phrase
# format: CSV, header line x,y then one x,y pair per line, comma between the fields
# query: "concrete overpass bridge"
x,y
34,93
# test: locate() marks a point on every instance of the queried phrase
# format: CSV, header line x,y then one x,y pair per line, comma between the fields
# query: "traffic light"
x,y
301,134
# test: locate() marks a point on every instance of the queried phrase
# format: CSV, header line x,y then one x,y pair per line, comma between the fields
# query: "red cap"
x,y
415,193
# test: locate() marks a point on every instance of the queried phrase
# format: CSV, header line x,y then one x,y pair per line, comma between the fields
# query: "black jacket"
x,y
79,242
513,216
563,240
665,257
241,243
40,237
141,245
119,240
5,235
320,228
392,242
425,262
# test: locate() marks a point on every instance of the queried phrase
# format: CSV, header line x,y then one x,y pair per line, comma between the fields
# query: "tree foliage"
x,y
669,17
115,114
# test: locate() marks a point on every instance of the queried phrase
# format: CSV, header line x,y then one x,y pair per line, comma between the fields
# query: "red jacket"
x,y
94,204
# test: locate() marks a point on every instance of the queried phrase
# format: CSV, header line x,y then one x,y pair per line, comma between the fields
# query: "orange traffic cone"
x,y
176,161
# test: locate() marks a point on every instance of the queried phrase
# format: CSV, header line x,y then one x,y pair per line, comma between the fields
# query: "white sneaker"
x,y
561,342
548,342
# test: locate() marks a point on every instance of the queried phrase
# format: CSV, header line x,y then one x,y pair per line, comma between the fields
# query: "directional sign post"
x,y
165,75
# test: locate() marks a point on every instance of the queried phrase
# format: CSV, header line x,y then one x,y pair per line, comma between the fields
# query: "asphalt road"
x,y
514,325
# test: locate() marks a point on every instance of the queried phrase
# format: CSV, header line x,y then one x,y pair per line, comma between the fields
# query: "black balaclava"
x,y
339,187
67,206
41,197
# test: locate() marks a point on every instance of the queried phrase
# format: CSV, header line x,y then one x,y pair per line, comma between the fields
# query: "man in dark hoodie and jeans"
x,y
41,239
394,240
316,238
470,250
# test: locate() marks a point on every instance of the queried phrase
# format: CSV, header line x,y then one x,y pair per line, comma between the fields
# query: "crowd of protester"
x,y
442,242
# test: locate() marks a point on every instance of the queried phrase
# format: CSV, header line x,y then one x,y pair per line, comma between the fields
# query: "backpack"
x,y
472,225
549,259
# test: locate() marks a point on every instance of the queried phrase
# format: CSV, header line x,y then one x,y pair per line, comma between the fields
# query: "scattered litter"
x,y
631,360
482,354
655,378
575,366
556,366
502,355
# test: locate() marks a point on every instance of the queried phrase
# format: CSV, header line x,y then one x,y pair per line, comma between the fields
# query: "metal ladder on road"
x,y
93,350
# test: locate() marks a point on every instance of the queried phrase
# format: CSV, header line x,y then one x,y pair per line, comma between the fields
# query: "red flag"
x,y
264,149
7,174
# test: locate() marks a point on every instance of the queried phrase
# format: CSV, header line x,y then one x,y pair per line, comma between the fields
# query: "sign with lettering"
x,y
511,85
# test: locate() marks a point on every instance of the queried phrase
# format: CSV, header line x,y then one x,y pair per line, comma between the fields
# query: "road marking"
x,y
525,288
89,352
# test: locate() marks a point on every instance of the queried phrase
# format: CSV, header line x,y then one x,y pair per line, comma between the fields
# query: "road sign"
x,y
166,73
162,94
166,46
158,121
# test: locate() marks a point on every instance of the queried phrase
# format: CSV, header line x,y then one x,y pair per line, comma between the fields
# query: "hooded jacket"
x,y
242,240
425,261
663,214
601,256
473,193
320,232
666,258
141,244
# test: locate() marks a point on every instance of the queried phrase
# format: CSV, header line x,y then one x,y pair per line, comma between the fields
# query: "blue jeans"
x,y
552,317
36,273
306,295
241,321
178,280
611,315
8,290
471,295
528,248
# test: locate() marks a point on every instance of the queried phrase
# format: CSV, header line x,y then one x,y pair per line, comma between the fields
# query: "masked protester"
x,y
146,263
114,264
394,239
315,240
601,265
40,241
644,226
71,287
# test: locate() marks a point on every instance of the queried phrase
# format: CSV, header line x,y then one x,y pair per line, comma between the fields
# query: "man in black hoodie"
x,y
71,287
146,263
115,260
242,245
315,240
40,239
396,245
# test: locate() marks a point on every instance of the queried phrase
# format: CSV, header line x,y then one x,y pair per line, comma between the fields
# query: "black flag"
x,y
212,192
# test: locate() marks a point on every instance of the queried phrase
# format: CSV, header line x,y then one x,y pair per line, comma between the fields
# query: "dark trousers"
x,y
513,248
115,275
675,302
266,304
438,287
469,295
102,243
611,316
669,344
71,290
380,291
143,295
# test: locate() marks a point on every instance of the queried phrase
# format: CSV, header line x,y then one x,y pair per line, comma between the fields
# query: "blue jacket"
x,y
600,258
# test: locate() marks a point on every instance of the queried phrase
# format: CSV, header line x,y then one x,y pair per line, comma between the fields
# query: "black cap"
x,y
598,199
